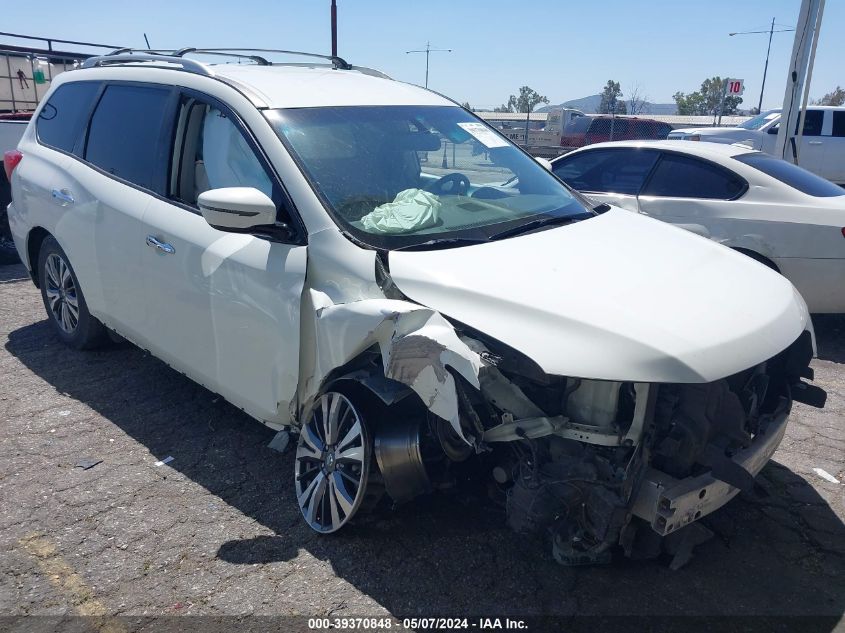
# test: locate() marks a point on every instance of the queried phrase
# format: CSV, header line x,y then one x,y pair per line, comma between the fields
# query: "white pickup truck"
x,y
822,148
11,130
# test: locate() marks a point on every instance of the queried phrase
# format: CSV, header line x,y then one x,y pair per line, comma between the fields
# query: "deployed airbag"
x,y
413,209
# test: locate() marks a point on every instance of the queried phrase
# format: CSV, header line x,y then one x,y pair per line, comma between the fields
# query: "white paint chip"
x,y
166,460
825,475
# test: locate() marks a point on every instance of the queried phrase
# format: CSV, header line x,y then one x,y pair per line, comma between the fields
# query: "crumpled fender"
x,y
417,346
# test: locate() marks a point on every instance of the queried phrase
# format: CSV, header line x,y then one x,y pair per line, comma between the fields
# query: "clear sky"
x,y
564,49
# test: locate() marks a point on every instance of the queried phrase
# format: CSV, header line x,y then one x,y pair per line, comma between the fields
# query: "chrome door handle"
x,y
164,247
63,195
815,142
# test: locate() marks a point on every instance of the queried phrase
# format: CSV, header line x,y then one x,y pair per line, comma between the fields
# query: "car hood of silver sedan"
x,y
615,297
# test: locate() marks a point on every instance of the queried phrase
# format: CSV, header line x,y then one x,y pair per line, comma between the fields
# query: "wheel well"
x,y
33,248
758,257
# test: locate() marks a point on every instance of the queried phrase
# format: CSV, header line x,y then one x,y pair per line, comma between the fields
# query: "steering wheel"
x,y
454,184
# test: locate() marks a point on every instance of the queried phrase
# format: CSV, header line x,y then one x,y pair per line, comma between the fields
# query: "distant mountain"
x,y
590,105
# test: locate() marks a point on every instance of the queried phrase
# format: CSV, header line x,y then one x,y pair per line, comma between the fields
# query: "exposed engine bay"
x,y
593,466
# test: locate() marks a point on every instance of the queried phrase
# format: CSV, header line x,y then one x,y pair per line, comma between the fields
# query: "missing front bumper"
x,y
669,504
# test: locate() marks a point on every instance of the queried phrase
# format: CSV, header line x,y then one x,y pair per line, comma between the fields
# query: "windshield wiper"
x,y
539,223
447,242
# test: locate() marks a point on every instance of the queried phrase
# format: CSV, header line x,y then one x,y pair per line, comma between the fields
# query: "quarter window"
x,y
607,171
679,176
63,116
125,136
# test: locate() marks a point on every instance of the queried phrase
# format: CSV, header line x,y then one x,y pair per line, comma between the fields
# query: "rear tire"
x,y
63,299
8,252
759,258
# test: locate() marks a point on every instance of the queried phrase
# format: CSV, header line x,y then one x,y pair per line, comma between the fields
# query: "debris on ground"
x,y
825,475
86,464
164,461
280,441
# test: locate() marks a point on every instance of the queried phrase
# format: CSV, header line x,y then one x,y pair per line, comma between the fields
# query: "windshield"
x,y
755,123
402,176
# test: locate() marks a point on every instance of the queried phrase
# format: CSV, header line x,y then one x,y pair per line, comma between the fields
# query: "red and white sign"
x,y
736,87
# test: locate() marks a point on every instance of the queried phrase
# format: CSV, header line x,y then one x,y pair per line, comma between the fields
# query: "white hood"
x,y
615,297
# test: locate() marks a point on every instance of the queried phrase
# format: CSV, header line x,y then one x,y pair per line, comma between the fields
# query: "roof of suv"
x,y
298,86
273,85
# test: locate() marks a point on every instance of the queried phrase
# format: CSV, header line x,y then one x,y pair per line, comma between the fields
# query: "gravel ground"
x,y
217,530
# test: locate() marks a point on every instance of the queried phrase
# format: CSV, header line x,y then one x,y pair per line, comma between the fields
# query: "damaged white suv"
x,y
368,263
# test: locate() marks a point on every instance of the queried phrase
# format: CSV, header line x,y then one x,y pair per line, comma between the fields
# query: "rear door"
x,y
814,141
613,176
45,193
123,168
697,194
834,164
223,306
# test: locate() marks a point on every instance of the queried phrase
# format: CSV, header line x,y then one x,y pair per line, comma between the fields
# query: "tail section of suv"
x,y
274,232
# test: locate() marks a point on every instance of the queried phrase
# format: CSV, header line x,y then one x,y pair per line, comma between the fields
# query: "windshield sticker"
x,y
484,134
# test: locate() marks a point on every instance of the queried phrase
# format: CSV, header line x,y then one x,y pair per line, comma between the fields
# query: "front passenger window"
x,y
214,154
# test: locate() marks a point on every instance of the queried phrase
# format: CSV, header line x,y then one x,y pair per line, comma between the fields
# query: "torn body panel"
x,y
417,346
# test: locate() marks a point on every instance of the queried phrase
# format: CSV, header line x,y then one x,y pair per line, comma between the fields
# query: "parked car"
x,y
587,130
11,130
269,231
775,212
822,147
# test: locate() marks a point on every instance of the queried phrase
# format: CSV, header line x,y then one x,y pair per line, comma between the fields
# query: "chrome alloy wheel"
x,y
332,463
61,293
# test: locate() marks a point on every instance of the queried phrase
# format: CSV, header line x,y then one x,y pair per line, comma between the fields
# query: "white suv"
x,y
367,263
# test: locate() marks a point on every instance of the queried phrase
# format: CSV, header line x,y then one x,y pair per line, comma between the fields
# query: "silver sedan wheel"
x,y
332,463
61,293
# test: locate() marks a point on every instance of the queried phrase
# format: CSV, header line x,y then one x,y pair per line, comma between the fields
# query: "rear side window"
x,y
813,121
607,171
63,116
679,176
125,136
792,175
839,123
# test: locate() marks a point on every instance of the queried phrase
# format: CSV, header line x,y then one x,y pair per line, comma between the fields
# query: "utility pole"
x,y
791,126
771,32
334,28
428,50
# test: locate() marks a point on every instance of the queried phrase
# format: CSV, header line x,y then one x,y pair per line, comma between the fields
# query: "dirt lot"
x,y
217,530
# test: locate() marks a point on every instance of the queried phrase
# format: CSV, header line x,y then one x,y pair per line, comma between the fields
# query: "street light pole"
x,y
771,31
334,28
428,50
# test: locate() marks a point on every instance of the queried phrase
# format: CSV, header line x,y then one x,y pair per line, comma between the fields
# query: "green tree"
x,y
707,99
835,98
611,99
466,106
527,100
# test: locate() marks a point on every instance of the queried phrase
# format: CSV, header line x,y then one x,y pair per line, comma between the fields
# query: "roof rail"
x,y
338,62
126,55
129,55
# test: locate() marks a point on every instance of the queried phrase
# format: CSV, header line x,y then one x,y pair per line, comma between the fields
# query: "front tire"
x,y
63,299
333,459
